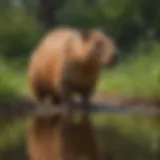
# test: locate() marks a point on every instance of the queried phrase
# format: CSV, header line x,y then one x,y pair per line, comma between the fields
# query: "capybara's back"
x,y
47,62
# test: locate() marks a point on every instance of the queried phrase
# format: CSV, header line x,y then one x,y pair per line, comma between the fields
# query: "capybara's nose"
x,y
114,61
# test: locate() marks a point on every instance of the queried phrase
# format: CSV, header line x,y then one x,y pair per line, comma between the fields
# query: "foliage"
x,y
13,81
18,34
127,21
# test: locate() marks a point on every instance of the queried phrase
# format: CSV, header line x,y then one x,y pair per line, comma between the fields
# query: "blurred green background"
x,y
135,26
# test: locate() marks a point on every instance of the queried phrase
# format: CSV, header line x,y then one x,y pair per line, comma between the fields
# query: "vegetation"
x,y
138,75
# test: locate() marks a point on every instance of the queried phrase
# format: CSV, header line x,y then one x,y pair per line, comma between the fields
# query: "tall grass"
x,y
13,81
139,75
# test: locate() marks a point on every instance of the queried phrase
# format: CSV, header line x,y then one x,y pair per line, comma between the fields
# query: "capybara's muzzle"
x,y
113,62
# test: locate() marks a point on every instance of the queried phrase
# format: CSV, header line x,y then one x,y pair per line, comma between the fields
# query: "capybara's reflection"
x,y
59,137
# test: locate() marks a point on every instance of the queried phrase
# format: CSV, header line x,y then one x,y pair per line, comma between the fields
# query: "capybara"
x,y
68,61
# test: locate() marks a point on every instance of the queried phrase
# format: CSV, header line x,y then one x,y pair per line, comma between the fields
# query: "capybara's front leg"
x,y
86,103
64,96
68,100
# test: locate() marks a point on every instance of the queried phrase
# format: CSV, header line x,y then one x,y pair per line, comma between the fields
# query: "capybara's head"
x,y
99,48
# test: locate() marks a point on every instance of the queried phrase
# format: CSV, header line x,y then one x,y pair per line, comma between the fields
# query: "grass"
x,y
13,81
139,75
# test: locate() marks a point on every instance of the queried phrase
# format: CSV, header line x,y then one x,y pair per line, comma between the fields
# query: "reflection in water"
x,y
129,137
121,137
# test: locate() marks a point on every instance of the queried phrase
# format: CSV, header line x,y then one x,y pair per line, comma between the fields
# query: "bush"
x,y
18,34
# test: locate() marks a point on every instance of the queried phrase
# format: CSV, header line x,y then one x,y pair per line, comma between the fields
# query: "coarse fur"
x,y
68,61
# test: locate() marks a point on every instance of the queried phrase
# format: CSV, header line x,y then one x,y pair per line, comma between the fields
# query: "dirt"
x,y
102,102
124,101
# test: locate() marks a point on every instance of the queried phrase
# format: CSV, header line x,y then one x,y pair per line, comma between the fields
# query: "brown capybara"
x,y
61,138
68,61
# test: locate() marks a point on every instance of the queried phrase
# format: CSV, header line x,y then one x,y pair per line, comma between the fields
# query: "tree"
x,y
46,12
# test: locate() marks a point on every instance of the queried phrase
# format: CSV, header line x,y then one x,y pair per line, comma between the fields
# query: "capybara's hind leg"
x,y
56,96
68,99
40,96
56,100
86,105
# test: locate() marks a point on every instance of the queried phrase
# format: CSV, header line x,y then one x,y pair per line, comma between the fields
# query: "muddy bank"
x,y
102,102
126,101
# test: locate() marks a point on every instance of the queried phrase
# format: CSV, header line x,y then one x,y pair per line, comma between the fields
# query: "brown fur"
x,y
69,61
57,138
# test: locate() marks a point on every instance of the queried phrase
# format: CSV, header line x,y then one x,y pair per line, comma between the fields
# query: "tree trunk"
x,y
46,12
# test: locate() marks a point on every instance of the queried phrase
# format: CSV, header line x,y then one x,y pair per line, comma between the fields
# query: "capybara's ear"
x,y
84,34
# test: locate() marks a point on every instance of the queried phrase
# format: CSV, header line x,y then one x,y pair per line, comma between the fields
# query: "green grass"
x,y
139,75
13,80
